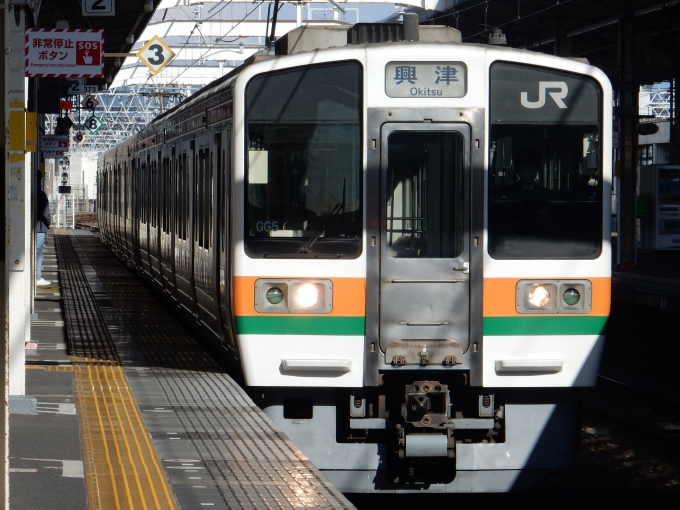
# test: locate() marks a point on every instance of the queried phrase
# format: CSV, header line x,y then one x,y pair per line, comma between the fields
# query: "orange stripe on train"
x,y
349,295
499,296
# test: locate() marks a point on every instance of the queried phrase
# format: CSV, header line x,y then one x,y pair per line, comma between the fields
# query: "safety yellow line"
x,y
159,471
108,414
104,442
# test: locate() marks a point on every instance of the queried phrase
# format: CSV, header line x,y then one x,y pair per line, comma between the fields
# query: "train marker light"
x,y
274,295
571,296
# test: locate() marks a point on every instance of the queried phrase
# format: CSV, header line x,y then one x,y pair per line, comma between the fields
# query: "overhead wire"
x,y
217,41
486,30
192,33
456,14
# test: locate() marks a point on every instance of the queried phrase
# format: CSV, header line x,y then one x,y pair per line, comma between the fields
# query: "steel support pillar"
x,y
562,44
627,113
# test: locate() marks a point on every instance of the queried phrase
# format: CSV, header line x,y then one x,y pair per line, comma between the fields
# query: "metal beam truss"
x,y
209,38
656,100
124,111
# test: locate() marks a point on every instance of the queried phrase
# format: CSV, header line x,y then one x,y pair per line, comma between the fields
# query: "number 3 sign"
x,y
156,54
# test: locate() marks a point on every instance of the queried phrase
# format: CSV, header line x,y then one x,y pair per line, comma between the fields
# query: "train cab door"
x,y
424,248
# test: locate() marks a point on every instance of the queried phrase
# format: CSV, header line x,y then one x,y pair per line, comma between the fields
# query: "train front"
x,y
422,259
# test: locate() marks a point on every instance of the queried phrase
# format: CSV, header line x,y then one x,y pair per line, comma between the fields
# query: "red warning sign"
x,y
64,53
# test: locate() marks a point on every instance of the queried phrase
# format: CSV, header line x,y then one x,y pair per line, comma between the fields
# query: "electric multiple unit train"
x,y
404,245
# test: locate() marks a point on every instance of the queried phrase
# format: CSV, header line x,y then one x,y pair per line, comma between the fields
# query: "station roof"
x,y
577,28
120,31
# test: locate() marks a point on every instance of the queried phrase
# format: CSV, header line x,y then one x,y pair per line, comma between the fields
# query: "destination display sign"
x,y
426,79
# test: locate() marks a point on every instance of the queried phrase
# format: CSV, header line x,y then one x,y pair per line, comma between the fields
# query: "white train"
x,y
404,245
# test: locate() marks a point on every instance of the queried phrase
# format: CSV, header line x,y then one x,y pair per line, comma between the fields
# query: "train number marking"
x,y
267,226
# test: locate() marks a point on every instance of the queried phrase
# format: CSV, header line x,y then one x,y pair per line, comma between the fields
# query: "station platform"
x,y
655,281
125,409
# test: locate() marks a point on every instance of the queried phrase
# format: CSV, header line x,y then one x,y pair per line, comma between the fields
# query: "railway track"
x,y
644,412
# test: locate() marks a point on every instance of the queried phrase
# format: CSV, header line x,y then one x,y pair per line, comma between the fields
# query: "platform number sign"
x,y
75,86
93,124
99,7
89,103
156,54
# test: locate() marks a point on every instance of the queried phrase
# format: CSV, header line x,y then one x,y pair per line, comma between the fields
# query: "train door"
x,y
221,232
136,213
424,259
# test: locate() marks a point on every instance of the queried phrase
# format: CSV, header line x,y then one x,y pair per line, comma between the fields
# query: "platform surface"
x,y
131,411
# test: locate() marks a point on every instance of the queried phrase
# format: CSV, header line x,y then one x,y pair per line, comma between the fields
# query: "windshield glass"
x,y
303,189
545,178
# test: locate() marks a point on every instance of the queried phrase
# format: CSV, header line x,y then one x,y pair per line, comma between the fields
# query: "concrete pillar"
x,y
19,191
627,112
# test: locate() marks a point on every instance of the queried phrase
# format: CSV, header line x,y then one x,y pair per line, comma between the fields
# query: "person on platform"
x,y
43,222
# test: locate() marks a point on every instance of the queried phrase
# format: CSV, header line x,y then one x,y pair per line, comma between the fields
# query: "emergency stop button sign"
x,y
64,53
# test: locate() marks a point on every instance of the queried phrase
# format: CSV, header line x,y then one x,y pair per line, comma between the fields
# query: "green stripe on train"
x,y
563,325
297,325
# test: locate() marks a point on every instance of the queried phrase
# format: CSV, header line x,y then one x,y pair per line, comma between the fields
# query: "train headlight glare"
x,y
274,295
307,295
571,296
539,296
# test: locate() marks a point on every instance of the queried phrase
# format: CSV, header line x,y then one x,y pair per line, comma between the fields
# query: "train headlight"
x,y
571,296
274,295
538,296
306,295
311,297
293,296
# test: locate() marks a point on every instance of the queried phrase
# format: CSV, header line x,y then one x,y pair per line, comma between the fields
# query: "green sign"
x,y
94,124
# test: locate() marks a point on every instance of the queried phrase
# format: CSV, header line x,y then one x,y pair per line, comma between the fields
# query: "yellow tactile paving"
x,y
53,368
122,469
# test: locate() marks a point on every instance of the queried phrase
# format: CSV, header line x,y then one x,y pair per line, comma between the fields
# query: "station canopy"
x,y
120,31
574,28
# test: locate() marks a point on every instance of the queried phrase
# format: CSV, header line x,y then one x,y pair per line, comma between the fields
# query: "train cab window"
x,y
303,193
545,165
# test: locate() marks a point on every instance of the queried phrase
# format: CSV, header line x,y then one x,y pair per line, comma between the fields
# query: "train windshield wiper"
x,y
338,207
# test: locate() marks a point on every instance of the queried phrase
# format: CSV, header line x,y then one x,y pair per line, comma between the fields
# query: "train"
x,y
402,241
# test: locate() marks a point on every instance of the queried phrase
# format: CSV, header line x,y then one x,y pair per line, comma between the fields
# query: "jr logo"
x,y
542,87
